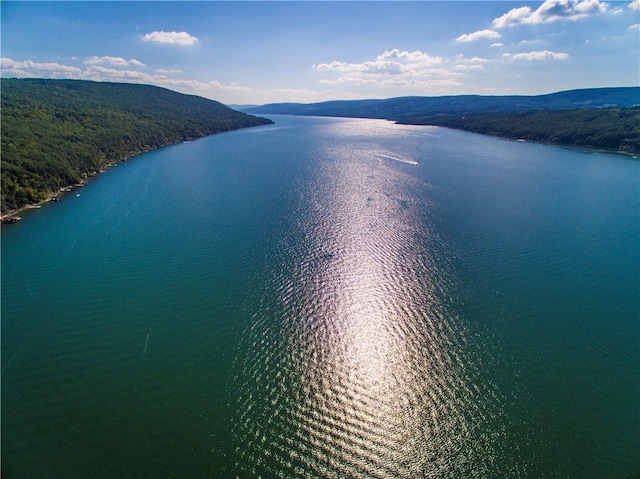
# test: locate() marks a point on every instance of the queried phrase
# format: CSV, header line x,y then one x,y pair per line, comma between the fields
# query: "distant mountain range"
x,y
601,118
404,109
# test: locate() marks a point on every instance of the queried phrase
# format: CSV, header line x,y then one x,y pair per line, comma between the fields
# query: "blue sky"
x,y
260,52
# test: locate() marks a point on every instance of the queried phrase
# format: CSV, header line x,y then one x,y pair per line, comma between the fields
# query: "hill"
x,y
605,118
601,128
405,108
55,133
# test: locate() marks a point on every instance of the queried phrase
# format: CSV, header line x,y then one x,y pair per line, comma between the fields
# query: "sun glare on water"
x,y
377,381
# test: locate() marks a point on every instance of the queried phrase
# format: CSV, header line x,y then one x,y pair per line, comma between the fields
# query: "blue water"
x,y
329,298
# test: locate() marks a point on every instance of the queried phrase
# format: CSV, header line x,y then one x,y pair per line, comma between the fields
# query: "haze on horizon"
x,y
264,52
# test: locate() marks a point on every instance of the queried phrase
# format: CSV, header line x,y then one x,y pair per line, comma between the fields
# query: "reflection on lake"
x,y
328,298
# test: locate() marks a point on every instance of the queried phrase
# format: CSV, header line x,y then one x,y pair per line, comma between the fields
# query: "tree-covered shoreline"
x,y
56,133
596,118
615,129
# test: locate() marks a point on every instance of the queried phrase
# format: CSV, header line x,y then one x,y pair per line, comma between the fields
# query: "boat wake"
x,y
396,158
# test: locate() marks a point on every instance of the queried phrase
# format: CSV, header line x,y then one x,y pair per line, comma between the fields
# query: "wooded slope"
x,y
603,128
403,109
57,132
606,118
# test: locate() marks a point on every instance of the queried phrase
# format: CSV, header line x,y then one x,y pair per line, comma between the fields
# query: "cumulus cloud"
x,y
550,11
392,67
472,37
114,61
227,92
635,5
170,38
391,60
537,55
96,72
32,69
474,63
108,69
415,57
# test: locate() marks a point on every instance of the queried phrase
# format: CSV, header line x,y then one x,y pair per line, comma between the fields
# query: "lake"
x,y
329,298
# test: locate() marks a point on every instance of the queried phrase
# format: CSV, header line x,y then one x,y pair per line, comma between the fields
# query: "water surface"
x,y
328,298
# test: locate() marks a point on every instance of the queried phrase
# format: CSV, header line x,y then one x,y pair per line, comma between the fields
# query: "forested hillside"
x,y
55,133
605,128
403,109
607,118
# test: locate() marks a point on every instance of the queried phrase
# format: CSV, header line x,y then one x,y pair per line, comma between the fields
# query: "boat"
x,y
11,219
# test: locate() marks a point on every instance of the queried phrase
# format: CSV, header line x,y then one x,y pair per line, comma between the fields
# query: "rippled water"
x,y
328,298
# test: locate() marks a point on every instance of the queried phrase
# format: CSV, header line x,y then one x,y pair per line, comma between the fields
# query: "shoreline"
x,y
593,149
103,169
55,196
110,122
34,206
52,195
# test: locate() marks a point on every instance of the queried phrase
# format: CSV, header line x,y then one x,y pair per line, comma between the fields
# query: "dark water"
x,y
329,298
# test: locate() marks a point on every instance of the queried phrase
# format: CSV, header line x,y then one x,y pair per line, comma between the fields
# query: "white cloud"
x,y
414,57
392,67
337,66
537,55
474,63
31,69
94,71
172,38
550,11
391,60
635,5
114,61
514,16
472,37
635,27
112,74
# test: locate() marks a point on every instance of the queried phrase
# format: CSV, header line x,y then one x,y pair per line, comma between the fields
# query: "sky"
x,y
261,52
